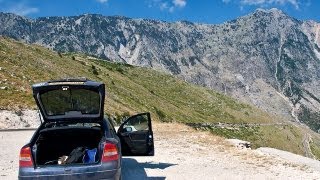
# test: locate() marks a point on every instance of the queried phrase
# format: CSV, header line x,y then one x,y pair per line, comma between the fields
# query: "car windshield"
x,y
63,101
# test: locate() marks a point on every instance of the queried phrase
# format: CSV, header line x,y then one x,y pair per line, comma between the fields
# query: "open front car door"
x,y
136,136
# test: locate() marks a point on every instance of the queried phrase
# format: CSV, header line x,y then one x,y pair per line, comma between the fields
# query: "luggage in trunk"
x,y
55,143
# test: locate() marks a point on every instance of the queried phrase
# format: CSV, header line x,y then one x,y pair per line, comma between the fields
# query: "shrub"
x,y
94,70
120,70
162,116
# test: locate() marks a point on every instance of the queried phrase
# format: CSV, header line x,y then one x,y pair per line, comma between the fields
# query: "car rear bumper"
x,y
74,173
109,174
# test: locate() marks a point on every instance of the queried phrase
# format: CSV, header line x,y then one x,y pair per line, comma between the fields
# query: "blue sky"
x,y
203,11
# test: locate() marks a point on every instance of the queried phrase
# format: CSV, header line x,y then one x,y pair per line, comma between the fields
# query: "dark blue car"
x,y
75,141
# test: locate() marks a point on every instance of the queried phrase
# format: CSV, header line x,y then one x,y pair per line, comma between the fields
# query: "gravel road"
x,y
181,153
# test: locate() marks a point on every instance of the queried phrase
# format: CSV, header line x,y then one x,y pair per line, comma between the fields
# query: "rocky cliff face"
x,y
265,58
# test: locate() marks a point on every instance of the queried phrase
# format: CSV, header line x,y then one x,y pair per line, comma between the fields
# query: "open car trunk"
x,y
54,143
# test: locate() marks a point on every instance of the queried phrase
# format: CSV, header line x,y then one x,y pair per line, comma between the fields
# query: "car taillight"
x,y
110,152
25,159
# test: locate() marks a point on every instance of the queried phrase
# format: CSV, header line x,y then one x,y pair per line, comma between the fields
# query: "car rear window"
x,y
62,101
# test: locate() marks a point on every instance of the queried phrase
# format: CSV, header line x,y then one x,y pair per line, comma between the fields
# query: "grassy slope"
x,y
131,90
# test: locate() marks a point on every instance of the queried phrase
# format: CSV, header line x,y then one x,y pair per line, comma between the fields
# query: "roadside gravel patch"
x,y
19,119
181,153
10,144
293,158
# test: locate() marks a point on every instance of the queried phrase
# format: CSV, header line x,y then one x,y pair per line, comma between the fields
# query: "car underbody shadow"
x,y
132,169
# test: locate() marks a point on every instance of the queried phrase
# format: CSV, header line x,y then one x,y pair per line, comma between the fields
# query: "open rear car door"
x,y
136,136
70,100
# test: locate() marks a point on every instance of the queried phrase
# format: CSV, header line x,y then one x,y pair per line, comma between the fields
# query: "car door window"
x,y
138,123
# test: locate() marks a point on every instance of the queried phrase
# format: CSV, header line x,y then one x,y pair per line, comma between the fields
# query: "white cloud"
x,y
18,7
164,6
102,1
167,5
179,3
22,9
226,1
266,3
171,9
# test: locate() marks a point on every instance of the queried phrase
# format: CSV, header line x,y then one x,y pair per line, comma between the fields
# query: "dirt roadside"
x,y
181,153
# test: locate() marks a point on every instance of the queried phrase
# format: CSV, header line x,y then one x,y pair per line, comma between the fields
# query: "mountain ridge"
x,y
266,58
132,90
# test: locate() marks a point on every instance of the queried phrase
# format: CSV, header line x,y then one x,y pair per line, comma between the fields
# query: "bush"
x,y
94,70
162,116
120,70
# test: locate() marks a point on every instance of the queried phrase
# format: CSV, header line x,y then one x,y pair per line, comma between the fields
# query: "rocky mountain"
x,y
266,58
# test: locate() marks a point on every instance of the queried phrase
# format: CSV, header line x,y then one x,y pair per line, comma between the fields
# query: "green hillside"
x,y
129,89
135,89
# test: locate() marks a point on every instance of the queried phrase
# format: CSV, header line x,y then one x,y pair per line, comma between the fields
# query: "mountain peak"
x,y
272,11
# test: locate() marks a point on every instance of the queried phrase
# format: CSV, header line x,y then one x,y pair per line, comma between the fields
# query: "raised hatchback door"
x,y
136,136
70,100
